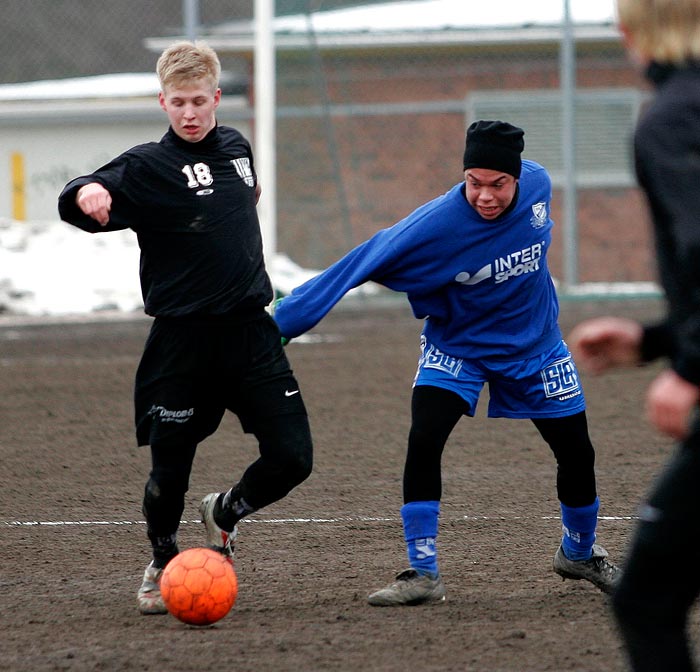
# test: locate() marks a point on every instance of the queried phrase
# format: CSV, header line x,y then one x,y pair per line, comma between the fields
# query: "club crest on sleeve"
x,y
245,172
539,215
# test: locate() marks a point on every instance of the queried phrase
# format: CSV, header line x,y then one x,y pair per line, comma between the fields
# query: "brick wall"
x,y
385,165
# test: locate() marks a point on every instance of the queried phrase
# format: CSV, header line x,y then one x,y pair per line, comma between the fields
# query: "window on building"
x,y
604,120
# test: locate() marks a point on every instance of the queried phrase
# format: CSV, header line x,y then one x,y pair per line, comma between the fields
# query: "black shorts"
x,y
195,368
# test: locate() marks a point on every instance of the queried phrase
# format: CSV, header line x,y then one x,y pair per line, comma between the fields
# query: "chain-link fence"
x,y
47,39
371,121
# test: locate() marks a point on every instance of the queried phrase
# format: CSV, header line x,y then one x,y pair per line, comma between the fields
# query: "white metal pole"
x,y
190,13
265,139
568,140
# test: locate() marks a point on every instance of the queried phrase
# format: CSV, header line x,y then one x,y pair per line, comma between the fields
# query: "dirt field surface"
x,y
73,545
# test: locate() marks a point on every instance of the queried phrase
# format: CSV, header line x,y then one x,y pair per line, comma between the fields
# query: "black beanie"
x,y
495,145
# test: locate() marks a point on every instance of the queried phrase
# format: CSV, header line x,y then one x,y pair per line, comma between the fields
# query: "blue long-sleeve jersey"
x,y
483,287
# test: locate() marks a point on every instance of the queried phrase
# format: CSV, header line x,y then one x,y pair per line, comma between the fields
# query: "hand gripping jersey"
x,y
192,206
482,286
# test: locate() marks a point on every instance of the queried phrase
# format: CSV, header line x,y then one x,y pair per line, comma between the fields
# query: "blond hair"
x,y
184,62
666,31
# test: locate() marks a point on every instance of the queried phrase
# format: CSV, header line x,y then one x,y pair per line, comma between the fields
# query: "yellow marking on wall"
x,y
19,190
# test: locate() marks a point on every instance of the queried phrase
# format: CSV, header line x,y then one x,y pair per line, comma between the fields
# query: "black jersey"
x,y
192,206
667,159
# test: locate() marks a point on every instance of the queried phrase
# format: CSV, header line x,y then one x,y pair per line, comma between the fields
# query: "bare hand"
x,y
95,201
670,402
602,343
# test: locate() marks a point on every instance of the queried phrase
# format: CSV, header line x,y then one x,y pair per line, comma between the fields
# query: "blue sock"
x,y
420,525
578,524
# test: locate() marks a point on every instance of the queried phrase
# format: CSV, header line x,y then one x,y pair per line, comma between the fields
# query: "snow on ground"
x,y
54,269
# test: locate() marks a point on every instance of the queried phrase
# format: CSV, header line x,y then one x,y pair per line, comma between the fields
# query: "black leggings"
x,y
436,411
661,580
285,461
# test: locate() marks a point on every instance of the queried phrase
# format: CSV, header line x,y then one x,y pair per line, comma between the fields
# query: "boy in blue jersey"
x,y
473,263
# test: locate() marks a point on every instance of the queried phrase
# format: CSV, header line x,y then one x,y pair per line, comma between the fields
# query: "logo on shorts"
x,y
560,379
433,358
167,415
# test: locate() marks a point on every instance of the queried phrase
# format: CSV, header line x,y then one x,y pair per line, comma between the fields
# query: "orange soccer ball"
x,y
199,586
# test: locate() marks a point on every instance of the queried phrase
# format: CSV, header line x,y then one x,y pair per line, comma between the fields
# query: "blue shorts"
x,y
545,386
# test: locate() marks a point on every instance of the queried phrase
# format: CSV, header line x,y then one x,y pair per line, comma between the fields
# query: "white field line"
x,y
284,521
